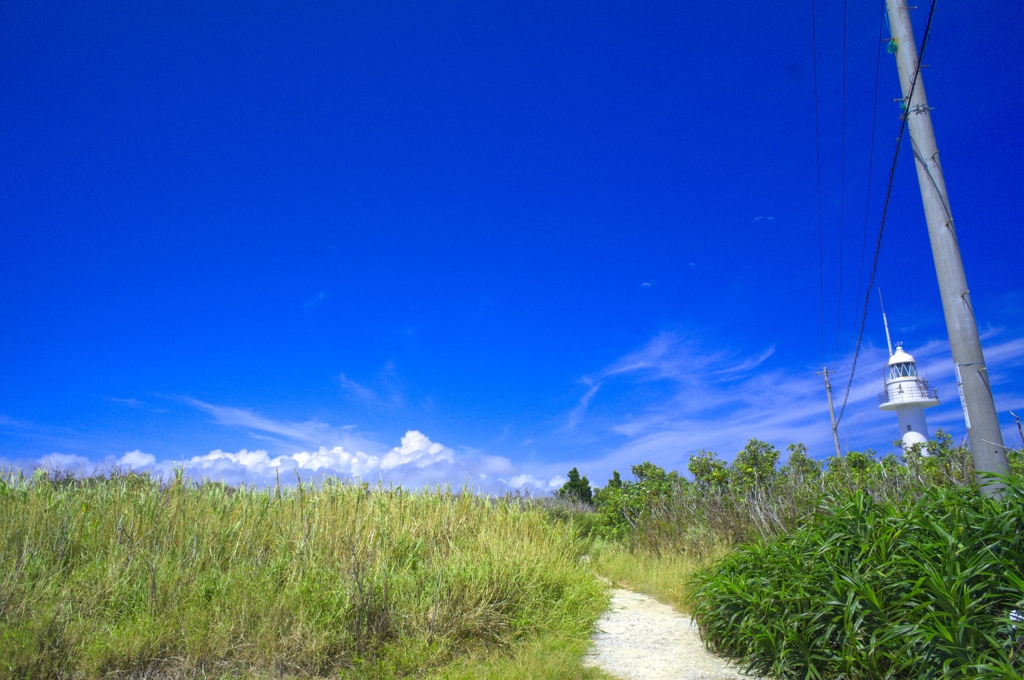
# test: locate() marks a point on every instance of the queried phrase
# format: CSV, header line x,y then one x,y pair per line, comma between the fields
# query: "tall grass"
x,y
921,587
664,576
126,577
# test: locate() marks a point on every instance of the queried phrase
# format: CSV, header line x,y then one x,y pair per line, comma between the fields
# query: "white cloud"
x,y
661,402
64,460
523,481
255,465
418,450
415,462
136,458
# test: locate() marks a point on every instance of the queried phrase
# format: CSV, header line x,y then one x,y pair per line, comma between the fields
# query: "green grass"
x,y
124,577
555,656
877,589
665,576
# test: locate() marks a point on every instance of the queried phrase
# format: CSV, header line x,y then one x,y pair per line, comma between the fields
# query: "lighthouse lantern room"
x,y
909,395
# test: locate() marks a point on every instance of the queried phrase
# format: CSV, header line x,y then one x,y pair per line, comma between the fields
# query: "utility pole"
x,y
831,409
987,448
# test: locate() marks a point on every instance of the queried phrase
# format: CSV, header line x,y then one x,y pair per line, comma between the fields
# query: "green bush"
x,y
623,507
754,466
754,498
925,586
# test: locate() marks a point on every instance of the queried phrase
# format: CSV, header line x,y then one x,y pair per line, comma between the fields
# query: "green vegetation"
x,y
125,577
665,577
925,587
624,507
858,568
861,567
576,489
756,498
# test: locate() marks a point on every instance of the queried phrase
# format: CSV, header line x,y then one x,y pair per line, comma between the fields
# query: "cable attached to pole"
x,y
904,118
842,196
817,157
871,164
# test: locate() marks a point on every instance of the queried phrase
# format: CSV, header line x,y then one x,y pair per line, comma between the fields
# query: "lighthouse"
x,y
905,391
909,395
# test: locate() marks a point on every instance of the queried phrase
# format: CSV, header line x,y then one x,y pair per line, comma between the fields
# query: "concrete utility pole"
x,y
831,409
972,377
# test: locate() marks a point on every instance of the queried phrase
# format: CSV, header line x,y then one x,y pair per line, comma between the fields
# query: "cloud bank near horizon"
x,y
416,461
661,402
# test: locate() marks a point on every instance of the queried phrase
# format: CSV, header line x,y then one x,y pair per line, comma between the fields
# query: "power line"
x,y
871,164
817,156
842,194
888,195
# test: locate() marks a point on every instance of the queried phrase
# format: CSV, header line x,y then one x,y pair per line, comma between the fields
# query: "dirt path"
x,y
639,638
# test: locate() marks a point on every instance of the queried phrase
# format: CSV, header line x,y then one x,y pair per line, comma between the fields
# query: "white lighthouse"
x,y
906,392
909,395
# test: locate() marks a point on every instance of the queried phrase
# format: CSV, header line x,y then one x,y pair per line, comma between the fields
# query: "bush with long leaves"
x,y
928,586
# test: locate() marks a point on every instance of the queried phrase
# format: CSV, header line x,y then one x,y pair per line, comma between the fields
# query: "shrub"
x,y
754,466
918,587
708,472
625,506
754,498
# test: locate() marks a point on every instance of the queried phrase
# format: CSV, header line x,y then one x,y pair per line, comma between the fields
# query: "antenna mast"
x,y
885,321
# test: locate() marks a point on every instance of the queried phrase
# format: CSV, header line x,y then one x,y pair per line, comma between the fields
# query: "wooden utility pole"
x,y
986,439
831,409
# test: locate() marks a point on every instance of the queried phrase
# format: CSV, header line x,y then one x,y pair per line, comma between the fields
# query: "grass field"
x,y
665,577
124,577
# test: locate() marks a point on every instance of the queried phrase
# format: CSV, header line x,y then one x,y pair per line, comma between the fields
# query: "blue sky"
x,y
439,242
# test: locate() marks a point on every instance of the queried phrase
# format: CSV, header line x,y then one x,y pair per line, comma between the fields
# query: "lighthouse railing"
x,y
919,391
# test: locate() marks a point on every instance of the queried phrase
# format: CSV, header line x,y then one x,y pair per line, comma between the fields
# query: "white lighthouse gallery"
x,y
908,394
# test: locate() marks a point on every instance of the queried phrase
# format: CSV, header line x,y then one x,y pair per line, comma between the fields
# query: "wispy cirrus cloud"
x,y
385,393
310,432
668,356
130,402
364,394
580,410
314,301
718,399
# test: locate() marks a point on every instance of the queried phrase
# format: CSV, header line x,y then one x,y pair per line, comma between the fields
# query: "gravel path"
x,y
639,638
